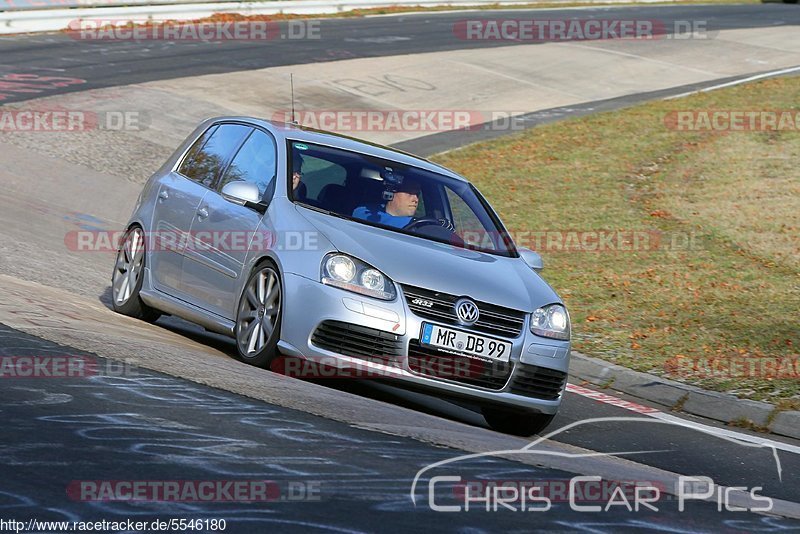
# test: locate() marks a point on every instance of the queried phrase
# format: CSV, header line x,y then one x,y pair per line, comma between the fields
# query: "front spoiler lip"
x,y
407,377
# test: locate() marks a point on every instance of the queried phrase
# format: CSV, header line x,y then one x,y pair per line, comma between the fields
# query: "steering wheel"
x,y
425,221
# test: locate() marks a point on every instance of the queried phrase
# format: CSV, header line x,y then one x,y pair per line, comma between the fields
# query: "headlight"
x,y
354,275
373,279
341,268
551,321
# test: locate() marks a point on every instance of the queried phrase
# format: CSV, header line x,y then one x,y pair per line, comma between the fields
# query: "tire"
x,y
515,422
259,315
127,278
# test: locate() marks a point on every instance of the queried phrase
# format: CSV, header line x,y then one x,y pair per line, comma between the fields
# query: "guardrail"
x,y
56,15
28,5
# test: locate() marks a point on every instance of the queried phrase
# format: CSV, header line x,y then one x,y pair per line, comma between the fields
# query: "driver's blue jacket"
x,y
377,214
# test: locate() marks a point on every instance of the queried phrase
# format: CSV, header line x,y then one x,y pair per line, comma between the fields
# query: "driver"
x,y
399,211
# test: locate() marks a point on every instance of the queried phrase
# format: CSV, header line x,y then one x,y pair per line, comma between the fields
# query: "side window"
x,y
255,162
467,225
203,165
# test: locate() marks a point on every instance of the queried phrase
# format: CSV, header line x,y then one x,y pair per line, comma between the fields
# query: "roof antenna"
x,y
291,83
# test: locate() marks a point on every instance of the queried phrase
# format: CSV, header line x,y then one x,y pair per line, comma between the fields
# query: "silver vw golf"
x,y
322,248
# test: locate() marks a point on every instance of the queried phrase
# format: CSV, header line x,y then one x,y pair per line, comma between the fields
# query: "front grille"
x,y
433,363
538,382
494,320
357,341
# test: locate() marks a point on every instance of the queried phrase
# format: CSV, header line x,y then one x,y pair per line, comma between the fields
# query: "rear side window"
x,y
210,153
254,163
188,167
317,173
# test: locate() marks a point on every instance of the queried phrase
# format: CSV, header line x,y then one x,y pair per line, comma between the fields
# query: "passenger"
x,y
398,212
299,190
296,176
297,173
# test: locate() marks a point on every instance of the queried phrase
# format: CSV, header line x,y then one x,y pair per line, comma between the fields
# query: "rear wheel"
x,y
258,321
516,423
128,277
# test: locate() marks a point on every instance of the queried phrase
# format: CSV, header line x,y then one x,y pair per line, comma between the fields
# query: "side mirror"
x,y
241,192
532,258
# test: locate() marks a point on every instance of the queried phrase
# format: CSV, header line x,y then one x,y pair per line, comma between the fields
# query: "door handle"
x,y
202,213
163,195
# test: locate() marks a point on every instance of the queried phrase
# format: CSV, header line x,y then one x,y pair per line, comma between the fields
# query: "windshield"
x,y
394,196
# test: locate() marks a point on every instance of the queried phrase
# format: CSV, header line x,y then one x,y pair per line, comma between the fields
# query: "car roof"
x,y
295,132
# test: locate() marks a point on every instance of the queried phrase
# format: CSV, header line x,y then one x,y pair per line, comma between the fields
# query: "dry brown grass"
x,y
745,188
732,296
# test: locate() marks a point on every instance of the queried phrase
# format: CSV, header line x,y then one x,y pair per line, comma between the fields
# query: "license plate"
x,y
465,343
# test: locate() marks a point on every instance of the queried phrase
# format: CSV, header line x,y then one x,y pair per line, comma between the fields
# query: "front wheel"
x,y
258,321
128,277
515,422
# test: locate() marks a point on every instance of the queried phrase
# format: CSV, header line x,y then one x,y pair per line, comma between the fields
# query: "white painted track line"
x,y
770,74
673,419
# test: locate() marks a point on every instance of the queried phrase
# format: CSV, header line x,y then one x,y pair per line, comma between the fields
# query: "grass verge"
x,y
700,279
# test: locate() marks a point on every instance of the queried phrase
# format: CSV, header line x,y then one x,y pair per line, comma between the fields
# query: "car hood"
x,y
441,267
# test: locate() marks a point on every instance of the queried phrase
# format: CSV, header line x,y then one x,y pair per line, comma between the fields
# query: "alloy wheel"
x,y
259,312
128,268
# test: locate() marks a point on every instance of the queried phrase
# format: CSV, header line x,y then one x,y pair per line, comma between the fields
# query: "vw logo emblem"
x,y
467,311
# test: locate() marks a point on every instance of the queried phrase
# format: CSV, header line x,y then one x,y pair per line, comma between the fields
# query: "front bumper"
x,y
309,304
